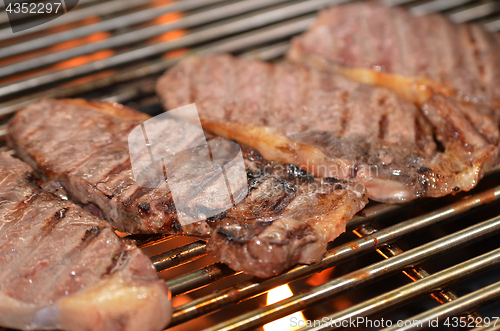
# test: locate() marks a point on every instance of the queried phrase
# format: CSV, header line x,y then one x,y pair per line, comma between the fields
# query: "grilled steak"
x,y
370,42
63,268
287,215
335,127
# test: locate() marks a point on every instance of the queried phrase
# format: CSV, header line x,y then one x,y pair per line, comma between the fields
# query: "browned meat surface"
x,y
63,268
335,127
286,217
289,216
420,54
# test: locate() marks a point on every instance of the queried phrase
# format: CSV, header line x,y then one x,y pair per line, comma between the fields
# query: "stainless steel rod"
x,y
361,277
475,12
455,308
179,256
107,25
436,6
227,28
199,278
333,256
249,39
99,9
139,35
432,283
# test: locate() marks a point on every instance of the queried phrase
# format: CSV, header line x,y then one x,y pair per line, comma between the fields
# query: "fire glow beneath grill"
x,y
283,324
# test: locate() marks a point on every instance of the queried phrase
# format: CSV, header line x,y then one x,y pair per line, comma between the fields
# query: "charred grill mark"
x,y
230,235
382,126
139,192
91,233
144,207
217,217
344,121
299,233
117,259
455,133
423,170
119,168
61,213
176,226
282,200
52,222
478,129
171,208
300,174
332,179
476,53
439,145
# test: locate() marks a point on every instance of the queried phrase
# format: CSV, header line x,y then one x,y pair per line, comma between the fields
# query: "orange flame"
x,y
283,324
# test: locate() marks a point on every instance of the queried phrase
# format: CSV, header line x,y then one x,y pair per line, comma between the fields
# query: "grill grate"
x,y
117,56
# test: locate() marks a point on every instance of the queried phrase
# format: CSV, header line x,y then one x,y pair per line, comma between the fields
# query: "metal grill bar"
x,y
415,273
254,31
154,67
362,276
139,35
179,256
436,6
200,278
254,21
413,290
111,24
78,15
467,302
334,256
475,12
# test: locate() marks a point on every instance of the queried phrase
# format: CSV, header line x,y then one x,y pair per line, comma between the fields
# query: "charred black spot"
x,y
109,196
230,236
61,214
456,189
91,233
176,226
439,145
137,194
170,209
424,170
339,187
332,179
217,217
257,155
51,222
250,175
439,176
300,232
144,207
299,173
254,183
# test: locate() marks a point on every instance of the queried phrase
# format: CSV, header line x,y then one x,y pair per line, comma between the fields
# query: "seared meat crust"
x,y
287,217
414,55
335,127
63,268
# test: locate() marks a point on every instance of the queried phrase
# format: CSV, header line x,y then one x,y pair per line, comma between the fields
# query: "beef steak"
x,y
335,127
63,268
287,215
415,55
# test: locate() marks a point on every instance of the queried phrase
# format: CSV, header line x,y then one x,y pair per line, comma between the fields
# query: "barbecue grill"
x,y
417,263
